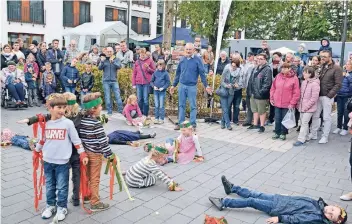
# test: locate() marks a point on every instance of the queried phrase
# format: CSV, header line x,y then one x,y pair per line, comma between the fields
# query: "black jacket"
x,y
41,59
221,65
87,81
4,61
260,82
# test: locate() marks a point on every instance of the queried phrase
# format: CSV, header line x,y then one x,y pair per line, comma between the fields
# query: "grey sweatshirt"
x,y
57,143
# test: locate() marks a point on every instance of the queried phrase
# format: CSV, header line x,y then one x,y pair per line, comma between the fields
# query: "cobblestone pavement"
x,y
246,157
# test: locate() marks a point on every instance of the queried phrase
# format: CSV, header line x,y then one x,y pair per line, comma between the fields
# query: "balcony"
x,y
26,15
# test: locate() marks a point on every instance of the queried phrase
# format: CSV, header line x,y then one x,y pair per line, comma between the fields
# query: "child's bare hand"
x,y
178,189
85,161
272,220
24,121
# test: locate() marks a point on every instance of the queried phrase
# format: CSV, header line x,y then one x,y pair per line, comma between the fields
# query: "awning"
x,y
283,50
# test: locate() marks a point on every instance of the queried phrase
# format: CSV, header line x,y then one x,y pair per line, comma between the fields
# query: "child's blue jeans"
x,y
159,100
56,179
260,201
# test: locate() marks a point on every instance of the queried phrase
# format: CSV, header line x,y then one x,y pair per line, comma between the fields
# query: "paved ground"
x,y
245,157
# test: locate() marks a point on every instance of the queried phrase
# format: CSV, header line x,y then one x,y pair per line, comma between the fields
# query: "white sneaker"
x,y
61,213
336,131
48,212
344,132
311,137
156,121
161,121
323,140
346,197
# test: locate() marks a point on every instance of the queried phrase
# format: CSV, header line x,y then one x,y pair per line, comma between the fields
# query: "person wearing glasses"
x,y
330,83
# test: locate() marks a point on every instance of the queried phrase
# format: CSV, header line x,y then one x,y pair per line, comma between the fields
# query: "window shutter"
x,y
75,13
139,25
115,15
25,11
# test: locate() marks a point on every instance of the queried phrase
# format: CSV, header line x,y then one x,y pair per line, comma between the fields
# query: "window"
x,y
112,14
183,23
26,11
68,13
26,37
84,12
134,24
145,26
159,23
146,3
75,13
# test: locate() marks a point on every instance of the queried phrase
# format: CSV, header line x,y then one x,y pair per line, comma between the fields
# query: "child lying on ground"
x,y
284,209
144,173
122,137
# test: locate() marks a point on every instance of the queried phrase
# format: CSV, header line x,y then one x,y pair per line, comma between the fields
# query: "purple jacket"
x,y
308,101
137,76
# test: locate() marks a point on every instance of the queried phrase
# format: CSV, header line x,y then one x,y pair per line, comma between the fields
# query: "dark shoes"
x,y
261,129
227,185
75,202
252,127
246,124
153,135
216,202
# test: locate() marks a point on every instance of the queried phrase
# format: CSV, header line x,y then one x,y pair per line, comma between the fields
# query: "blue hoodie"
x,y
160,79
346,88
70,72
325,48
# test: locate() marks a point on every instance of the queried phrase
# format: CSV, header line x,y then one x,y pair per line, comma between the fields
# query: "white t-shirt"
x,y
19,54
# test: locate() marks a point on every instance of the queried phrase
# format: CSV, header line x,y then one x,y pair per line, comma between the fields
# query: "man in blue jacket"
x,y
55,57
110,66
188,70
70,76
284,209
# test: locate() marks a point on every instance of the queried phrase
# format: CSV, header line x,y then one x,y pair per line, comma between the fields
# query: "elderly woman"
x,y
284,95
13,79
94,55
143,70
342,97
231,83
7,55
222,62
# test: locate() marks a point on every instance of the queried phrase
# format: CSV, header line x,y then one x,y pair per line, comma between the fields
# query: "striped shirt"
x,y
93,136
146,167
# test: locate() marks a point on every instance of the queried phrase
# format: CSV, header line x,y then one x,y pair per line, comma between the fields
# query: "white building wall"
x,y
53,29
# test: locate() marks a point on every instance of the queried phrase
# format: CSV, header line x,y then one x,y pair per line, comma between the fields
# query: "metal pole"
x,y
128,24
175,23
344,35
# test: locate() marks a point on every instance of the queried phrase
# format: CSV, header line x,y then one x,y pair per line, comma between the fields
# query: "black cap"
x,y
102,54
35,42
250,54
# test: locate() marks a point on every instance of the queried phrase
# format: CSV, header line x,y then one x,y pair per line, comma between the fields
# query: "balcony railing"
x,y
26,15
142,3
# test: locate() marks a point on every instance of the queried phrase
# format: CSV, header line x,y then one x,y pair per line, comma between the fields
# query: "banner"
x,y
223,12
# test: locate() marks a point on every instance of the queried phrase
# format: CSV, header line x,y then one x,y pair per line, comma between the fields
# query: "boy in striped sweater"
x,y
144,173
96,144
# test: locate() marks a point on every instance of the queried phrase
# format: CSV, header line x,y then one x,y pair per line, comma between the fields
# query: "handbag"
x,y
289,121
150,88
221,91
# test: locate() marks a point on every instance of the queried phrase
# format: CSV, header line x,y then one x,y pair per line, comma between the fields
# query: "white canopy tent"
x,y
283,50
103,33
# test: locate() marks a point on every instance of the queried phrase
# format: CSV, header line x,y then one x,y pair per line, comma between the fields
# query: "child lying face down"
x,y
284,209
122,137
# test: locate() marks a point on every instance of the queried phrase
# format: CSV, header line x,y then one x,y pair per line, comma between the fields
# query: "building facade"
x,y
45,20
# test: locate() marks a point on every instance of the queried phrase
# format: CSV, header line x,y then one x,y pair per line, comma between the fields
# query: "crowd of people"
x,y
288,82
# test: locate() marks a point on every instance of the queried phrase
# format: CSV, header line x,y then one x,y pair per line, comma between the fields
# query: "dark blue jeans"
x,y
184,93
56,179
114,86
143,98
253,199
70,89
237,98
279,116
16,91
342,113
159,101
225,107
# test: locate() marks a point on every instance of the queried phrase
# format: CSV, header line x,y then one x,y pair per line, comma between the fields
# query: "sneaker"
x,y
298,129
99,207
336,131
61,213
129,123
48,212
229,128
223,126
298,143
323,140
177,127
86,200
153,135
161,121
283,137
311,137
217,203
198,159
261,129
227,185
344,132
346,197
156,121
276,136
252,127
75,202
246,124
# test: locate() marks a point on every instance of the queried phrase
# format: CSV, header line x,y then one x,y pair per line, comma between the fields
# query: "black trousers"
x,y
76,172
351,158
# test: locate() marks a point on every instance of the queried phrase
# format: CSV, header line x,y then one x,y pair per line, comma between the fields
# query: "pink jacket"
x,y
310,90
137,76
284,91
35,68
128,109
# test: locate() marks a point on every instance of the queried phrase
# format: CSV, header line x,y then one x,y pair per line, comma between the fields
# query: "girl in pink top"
x,y
186,147
132,112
